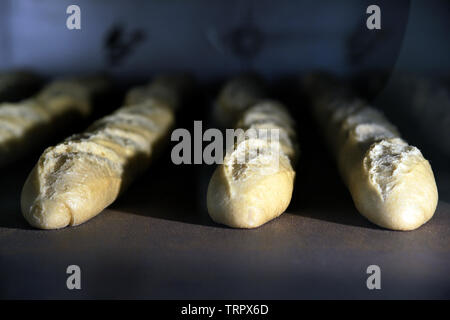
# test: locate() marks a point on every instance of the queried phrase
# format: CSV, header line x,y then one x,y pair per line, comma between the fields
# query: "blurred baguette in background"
x,y
59,108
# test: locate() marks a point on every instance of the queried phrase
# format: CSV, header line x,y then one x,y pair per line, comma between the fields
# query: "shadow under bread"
x,y
12,179
169,191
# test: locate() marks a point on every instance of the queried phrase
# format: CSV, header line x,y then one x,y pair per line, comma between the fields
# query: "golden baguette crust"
x,y
247,194
27,124
236,96
391,183
75,180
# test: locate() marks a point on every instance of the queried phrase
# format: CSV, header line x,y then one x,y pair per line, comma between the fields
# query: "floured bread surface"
x,y
399,190
391,183
78,178
21,125
235,97
27,124
255,182
269,117
387,161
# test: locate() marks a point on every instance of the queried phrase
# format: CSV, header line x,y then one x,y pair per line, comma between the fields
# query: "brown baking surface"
x,y
157,241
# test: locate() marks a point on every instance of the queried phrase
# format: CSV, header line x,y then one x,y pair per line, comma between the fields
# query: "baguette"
x,y
29,124
75,180
249,193
236,96
391,183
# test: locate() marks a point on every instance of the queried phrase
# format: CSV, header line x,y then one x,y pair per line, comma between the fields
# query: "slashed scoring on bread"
x,y
391,183
76,179
255,182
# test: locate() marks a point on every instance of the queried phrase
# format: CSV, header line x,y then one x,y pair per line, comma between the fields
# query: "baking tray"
x,y
157,241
